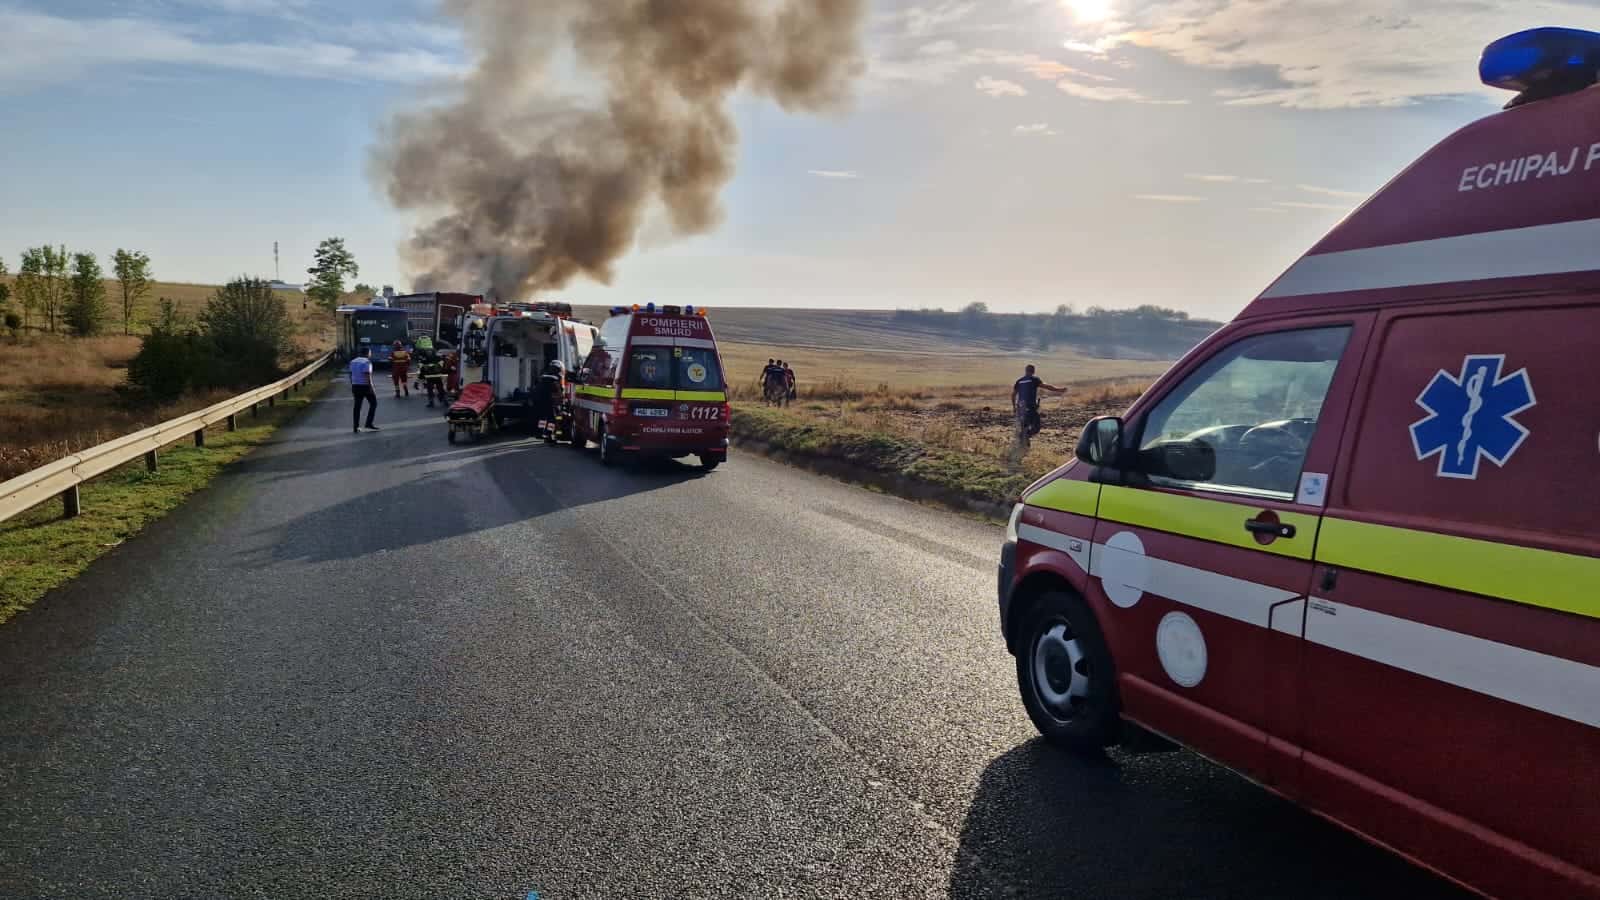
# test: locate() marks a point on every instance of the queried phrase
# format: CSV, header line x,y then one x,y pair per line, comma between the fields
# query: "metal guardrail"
x,y
62,477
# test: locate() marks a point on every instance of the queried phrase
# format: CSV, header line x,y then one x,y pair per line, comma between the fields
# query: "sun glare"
x,y
1088,10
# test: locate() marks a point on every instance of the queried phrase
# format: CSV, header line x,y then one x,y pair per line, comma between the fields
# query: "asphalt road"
x,y
381,666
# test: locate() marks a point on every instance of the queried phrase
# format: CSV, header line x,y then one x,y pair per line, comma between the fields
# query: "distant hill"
x,y
1150,333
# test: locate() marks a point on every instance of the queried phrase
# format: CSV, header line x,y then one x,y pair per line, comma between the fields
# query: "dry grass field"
x,y
58,394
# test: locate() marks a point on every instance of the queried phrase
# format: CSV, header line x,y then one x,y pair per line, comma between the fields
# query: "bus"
x,y
377,327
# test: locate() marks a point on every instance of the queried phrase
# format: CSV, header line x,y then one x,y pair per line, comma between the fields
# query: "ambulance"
x,y
653,386
1350,545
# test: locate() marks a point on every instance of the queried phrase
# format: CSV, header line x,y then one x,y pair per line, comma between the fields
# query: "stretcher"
x,y
470,414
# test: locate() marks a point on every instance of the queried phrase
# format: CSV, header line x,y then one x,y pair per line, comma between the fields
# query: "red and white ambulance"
x,y
653,386
1350,545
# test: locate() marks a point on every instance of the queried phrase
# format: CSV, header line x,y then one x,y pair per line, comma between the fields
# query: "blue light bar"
x,y
1554,59
650,307
688,310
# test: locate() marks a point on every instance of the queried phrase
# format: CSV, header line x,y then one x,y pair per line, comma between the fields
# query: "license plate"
x,y
656,413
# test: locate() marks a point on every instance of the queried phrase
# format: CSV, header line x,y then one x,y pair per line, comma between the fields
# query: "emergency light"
x,y
649,307
1542,62
688,310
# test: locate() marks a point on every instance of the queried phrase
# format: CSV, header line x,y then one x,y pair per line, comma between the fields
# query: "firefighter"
x,y
399,367
433,377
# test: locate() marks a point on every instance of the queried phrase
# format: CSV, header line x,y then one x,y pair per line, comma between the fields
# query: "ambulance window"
x,y
1255,405
585,340
650,368
698,369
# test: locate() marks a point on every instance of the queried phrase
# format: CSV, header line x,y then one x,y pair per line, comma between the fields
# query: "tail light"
x,y
619,408
727,411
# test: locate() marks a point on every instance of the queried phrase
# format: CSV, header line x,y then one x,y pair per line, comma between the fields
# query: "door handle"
x,y
1267,527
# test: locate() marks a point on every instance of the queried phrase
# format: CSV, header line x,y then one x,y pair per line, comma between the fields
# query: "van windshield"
x,y
674,368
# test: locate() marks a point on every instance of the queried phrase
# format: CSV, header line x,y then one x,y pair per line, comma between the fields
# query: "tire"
x,y
608,457
451,436
709,463
1066,675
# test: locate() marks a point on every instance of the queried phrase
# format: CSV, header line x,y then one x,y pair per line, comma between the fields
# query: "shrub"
x,y
13,323
168,364
249,330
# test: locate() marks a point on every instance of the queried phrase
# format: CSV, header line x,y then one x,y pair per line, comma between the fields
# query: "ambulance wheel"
x,y
608,456
1066,675
710,463
451,436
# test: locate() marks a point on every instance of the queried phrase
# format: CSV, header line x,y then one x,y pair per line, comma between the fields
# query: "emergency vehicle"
x,y
1350,545
509,346
653,386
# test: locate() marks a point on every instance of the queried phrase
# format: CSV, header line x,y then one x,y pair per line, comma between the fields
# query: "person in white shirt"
x,y
361,388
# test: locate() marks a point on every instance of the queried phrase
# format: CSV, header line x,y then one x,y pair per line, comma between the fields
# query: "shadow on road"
x,y
1046,823
463,490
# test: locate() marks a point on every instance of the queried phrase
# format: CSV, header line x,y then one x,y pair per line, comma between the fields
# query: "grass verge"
x,y
893,464
40,550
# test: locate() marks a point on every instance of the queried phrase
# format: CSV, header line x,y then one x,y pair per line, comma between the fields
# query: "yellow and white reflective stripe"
x,y
1209,520
650,340
1509,253
703,396
1560,687
1234,598
698,343
1526,575
598,393
646,394
1066,495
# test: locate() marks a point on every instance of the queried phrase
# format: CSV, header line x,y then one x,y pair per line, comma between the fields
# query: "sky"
x,y
1022,153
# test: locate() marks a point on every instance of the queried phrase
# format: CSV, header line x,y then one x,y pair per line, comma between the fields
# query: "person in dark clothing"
x,y
433,376
1025,402
361,389
547,396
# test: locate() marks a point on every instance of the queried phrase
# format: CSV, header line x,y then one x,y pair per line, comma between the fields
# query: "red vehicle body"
x,y
653,386
1350,545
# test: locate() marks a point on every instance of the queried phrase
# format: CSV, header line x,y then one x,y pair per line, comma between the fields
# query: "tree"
x,y
333,264
248,328
86,295
363,288
42,282
133,275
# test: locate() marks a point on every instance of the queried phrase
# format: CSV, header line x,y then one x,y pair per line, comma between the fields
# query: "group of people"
x,y
777,382
433,373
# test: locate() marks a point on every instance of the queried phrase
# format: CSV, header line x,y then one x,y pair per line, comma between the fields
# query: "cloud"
x,y
1071,80
922,20
999,87
1170,198
1224,179
840,174
1037,129
1105,93
1329,53
1300,204
1267,209
1330,192
40,49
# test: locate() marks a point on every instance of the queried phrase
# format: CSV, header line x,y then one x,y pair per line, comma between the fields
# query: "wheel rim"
x,y
605,452
1060,672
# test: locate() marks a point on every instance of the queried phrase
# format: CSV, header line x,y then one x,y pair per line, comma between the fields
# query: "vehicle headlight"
x,y
1011,526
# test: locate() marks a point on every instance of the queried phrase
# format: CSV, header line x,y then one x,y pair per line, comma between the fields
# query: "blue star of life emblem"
x,y
1472,417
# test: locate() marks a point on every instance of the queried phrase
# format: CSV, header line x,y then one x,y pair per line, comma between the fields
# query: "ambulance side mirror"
x,y
1101,442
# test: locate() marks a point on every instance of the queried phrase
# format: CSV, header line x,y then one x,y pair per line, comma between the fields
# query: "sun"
x,y
1088,10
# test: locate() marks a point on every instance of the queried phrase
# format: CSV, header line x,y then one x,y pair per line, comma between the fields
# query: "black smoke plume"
x,y
579,117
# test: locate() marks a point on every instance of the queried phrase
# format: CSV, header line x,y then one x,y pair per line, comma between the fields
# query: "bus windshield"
x,y
381,327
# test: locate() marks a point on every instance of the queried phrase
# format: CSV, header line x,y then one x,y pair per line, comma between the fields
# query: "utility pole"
x,y
277,273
